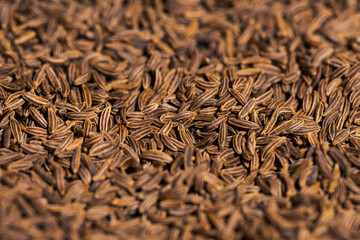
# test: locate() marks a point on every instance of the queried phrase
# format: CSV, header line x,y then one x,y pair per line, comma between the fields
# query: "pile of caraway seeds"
x,y
179,119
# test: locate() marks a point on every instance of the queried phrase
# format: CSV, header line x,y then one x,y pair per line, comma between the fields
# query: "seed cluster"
x,y
179,119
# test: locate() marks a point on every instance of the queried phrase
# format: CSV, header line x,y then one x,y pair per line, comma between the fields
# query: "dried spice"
x,y
179,119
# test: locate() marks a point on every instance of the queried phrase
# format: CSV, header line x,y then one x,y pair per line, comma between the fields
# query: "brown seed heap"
x,y
179,119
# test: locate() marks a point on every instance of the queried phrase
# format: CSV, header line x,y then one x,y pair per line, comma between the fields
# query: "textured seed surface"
x,y
179,119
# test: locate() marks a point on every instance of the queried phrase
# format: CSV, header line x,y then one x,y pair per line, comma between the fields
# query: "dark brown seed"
x,y
157,156
35,100
100,173
142,132
247,108
270,124
15,104
10,157
243,123
200,100
248,71
82,79
102,149
16,130
81,115
75,161
52,121
64,144
239,97
223,133
104,119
